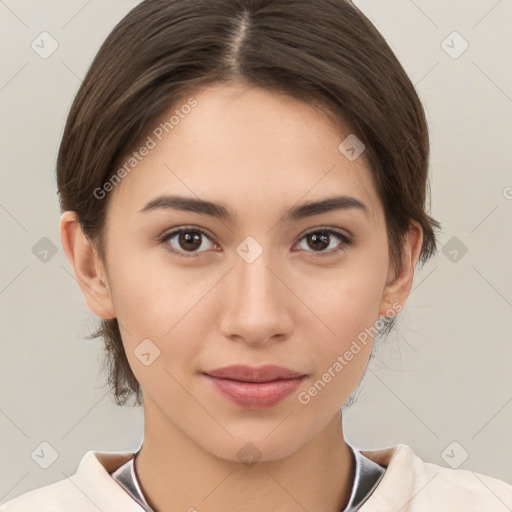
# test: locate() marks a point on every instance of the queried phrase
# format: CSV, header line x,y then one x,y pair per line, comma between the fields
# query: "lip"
x,y
266,373
255,388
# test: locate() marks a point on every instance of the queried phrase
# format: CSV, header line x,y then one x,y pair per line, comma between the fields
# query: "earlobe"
x,y
88,267
399,286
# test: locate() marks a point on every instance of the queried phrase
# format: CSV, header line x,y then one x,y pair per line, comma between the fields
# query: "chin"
x,y
258,446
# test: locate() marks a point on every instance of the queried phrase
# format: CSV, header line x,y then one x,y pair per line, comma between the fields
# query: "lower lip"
x,y
255,395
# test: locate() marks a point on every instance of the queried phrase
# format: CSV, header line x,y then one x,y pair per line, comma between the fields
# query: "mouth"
x,y
255,388
244,373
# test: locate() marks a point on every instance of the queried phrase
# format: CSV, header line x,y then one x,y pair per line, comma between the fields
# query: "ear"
x,y
89,270
398,286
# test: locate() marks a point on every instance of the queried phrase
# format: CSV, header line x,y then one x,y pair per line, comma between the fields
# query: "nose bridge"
x,y
254,306
256,285
253,261
256,280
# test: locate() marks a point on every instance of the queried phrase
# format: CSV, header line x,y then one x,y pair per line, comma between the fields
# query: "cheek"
x,y
347,301
348,298
148,290
161,302
349,308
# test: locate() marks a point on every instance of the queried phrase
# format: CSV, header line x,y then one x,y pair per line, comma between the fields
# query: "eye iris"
x,y
315,237
191,240
190,237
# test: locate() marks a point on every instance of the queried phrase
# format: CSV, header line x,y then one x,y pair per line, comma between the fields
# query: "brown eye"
x,y
318,241
187,240
323,239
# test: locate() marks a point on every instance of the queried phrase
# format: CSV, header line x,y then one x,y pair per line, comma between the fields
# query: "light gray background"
x,y
445,377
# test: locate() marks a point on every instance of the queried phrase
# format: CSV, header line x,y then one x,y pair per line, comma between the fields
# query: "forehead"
x,y
249,148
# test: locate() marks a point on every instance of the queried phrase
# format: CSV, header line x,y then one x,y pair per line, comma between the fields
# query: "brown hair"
x,y
325,52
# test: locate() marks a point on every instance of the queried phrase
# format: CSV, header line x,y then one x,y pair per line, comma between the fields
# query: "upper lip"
x,y
245,373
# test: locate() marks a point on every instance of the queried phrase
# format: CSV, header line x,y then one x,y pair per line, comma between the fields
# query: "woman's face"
x,y
259,286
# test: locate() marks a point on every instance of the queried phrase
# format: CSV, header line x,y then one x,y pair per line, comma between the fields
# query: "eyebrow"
x,y
219,211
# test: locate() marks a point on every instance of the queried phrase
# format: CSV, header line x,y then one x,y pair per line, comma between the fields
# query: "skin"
x,y
258,153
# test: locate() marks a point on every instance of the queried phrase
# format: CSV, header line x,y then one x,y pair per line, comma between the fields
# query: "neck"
x,y
175,473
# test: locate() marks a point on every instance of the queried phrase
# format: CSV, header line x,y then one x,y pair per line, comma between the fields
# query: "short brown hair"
x,y
325,52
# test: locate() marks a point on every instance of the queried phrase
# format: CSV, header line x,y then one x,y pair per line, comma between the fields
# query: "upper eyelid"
x,y
205,231
175,231
333,230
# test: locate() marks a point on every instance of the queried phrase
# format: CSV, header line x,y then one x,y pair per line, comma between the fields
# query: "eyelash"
x,y
345,241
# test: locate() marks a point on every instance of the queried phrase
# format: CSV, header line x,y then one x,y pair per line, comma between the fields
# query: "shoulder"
x,y
91,488
55,496
413,485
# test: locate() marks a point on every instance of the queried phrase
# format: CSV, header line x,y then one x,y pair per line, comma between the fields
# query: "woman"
x,y
243,187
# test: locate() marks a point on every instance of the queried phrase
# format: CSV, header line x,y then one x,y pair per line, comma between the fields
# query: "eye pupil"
x,y
190,241
187,238
323,238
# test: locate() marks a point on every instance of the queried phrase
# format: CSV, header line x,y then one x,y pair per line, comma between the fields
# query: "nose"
x,y
255,303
